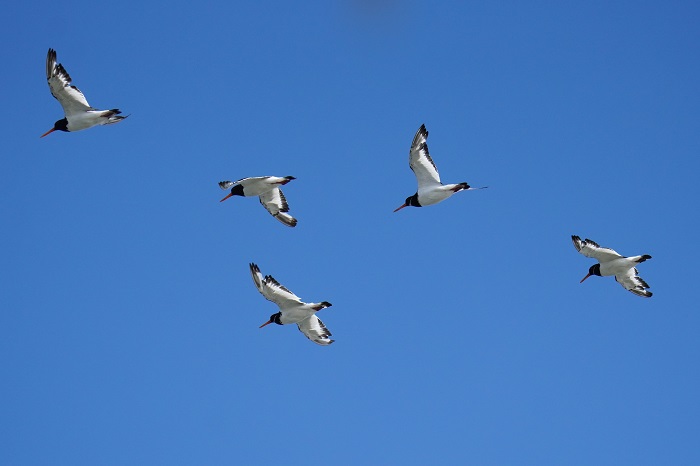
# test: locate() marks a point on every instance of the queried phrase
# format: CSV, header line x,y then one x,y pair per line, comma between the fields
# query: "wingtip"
x,y
286,219
50,63
643,293
422,133
577,242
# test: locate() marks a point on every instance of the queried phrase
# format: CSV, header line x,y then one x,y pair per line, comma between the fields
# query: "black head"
x,y
60,125
410,201
593,270
274,319
237,190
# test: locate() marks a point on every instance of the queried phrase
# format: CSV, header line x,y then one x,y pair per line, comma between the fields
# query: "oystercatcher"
x,y
79,114
430,189
292,309
612,263
271,196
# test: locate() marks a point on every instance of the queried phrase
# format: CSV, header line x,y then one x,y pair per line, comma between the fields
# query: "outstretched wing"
x,y
591,249
315,331
275,203
634,283
272,290
420,161
71,99
226,185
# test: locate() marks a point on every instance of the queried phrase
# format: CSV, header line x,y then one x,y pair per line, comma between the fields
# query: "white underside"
x,y
435,194
257,186
617,266
85,120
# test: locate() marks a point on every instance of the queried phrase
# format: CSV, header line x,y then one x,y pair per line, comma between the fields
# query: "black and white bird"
x,y
79,114
430,189
292,309
271,196
612,263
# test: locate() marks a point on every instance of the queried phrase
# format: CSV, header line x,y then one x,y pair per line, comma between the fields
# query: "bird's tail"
x,y
112,116
465,187
322,305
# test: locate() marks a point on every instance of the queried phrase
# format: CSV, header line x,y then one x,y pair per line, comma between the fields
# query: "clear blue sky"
x,y
128,318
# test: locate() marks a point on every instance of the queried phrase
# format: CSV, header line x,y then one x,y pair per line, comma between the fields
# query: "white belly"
x,y
616,267
434,195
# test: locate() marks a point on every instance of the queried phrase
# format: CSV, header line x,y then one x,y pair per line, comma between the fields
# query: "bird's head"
x,y
594,270
274,318
235,191
60,125
410,201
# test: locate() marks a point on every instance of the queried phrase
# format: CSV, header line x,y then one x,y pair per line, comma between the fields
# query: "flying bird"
x,y
612,263
271,196
292,309
430,189
79,114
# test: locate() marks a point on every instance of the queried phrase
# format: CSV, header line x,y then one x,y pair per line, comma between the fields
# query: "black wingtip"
x,y
577,242
422,133
326,304
645,257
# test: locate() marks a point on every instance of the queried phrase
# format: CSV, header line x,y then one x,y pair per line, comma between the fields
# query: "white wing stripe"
x,y
420,161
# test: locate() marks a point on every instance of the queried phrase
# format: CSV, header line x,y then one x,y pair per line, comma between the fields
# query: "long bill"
x,y
266,323
405,205
584,278
222,200
48,132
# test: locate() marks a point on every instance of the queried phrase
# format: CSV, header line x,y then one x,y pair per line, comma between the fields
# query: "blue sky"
x,y
129,321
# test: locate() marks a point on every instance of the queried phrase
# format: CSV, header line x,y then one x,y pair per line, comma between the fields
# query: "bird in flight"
x,y
612,263
267,188
78,113
292,309
430,189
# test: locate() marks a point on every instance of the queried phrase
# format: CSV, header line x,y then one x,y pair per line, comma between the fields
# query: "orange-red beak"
x,y
405,205
585,278
222,200
266,323
48,132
